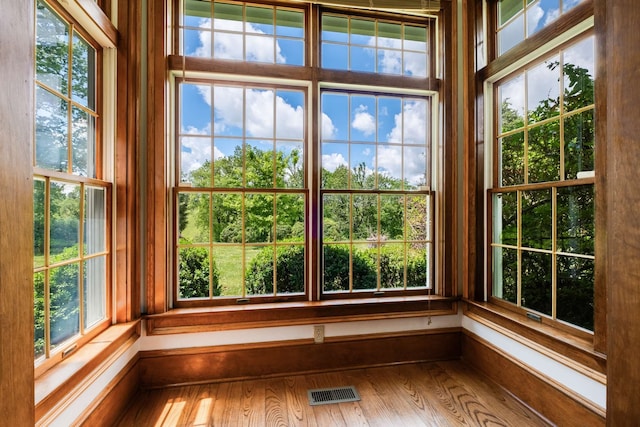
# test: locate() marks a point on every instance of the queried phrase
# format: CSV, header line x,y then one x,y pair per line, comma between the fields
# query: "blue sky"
x,y
214,120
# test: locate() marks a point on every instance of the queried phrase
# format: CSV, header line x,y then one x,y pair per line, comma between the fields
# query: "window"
x,y
520,19
72,255
542,200
311,175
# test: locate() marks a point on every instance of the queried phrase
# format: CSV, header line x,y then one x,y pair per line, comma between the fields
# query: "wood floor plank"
x,y
423,394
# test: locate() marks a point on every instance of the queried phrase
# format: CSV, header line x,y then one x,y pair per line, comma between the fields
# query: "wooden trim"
x,y
300,313
621,131
548,337
551,399
223,363
600,242
101,20
54,385
566,21
155,231
126,295
16,212
114,399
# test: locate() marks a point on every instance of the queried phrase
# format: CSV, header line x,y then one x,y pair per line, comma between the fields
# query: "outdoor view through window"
x,y
245,203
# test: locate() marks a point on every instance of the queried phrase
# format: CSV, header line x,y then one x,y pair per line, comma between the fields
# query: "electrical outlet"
x,y
318,334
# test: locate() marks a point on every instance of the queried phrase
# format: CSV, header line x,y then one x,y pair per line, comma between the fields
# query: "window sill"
x,y
187,320
576,352
55,384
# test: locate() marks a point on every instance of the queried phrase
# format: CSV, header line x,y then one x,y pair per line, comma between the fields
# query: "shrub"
x,y
193,274
289,267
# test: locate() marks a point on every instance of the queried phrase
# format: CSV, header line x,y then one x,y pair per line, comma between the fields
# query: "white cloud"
x,y
364,121
332,161
414,122
534,15
328,129
194,152
259,47
289,120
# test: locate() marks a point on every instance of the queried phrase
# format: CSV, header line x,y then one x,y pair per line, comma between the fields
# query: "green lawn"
x,y
228,259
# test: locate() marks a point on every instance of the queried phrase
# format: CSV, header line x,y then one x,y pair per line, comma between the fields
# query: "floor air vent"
x,y
325,396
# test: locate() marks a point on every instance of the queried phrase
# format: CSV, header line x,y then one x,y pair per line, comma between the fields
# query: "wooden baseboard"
x,y
535,391
115,398
210,364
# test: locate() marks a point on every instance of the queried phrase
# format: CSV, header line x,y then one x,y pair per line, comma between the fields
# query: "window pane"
x,y
362,59
227,16
290,52
197,42
193,272
392,266
540,14
195,161
259,20
544,153
83,143
579,144
290,171
363,32
289,23
335,56
195,11
575,291
335,117
195,109
39,315
64,213
52,49
336,220
290,224
576,221
335,169
418,265
390,167
363,157
507,9
95,223
536,281
415,167
505,218
365,217
228,163
418,218
261,49
511,34
290,272
511,95
543,91
260,271
415,122
228,45
194,216
230,269
64,303
505,274
512,159
335,28
415,64
390,120
536,219
415,38
259,218
39,197
336,262
52,131
365,267
227,221
95,291
391,217
290,114
259,163
579,74
389,35
390,61
83,73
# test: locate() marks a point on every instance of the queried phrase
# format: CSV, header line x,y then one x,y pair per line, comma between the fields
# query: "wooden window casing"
x,y
319,79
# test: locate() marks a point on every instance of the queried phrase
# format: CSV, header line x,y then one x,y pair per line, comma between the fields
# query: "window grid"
x,y
411,238
545,222
71,215
518,20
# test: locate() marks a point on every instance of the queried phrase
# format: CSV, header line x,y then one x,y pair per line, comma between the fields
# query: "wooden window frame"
x,y
584,349
158,299
102,180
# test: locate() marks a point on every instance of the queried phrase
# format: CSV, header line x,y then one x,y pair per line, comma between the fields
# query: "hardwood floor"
x,y
425,394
